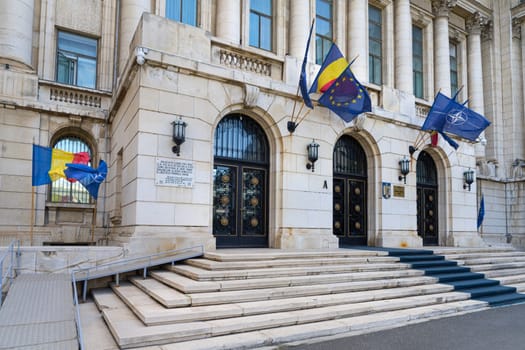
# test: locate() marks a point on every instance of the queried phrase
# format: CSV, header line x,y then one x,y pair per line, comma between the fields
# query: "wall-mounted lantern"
x,y
313,154
468,177
404,166
179,135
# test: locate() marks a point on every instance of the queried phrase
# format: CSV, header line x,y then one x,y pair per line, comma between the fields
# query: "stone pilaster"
x,y
16,31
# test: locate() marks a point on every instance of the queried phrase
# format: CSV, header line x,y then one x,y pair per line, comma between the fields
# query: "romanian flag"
x,y
334,64
49,163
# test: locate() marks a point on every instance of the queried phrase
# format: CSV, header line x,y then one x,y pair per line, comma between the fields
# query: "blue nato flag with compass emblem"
x,y
447,115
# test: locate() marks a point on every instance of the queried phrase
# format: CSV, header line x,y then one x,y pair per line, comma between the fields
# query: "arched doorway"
x,y
427,199
240,183
349,192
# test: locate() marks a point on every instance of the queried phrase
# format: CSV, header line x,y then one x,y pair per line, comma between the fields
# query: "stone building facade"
x,y
111,77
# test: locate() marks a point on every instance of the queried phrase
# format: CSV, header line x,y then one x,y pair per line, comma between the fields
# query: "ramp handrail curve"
x,y
9,273
129,264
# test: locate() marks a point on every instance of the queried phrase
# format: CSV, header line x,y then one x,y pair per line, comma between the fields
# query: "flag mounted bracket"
x,y
291,125
411,150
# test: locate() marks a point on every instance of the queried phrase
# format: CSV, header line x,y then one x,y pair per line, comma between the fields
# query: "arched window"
x,y
63,191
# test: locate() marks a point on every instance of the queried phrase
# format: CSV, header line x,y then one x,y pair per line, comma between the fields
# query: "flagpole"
x,y
93,221
32,214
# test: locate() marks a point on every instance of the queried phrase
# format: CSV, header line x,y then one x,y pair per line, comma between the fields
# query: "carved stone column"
x,y
16,30
357,37
229,20
441,10
403,52
299,27
475,72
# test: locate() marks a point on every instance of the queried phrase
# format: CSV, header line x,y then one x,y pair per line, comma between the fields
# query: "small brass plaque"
x,y
399,191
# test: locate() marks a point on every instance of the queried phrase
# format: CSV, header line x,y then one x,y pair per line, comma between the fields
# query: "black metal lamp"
x,y
404,165
313,154
179,135
468,176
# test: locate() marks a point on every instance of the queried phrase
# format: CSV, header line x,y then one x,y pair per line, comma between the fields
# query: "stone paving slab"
x,y
39,311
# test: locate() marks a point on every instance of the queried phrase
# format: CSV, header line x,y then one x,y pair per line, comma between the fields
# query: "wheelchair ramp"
x,y
38,313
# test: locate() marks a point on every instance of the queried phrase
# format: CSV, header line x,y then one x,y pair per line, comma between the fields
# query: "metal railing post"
x,y
1,280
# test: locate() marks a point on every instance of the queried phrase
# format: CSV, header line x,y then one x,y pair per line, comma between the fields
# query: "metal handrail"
x,y
130,264
9,274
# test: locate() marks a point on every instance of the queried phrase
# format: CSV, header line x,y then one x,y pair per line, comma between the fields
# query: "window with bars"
x,y
375,45
76,60
261,13
323,29
63,191
453,68
417,61
184,11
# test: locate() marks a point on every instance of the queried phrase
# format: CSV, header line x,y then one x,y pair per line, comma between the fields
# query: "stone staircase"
x,y
245,299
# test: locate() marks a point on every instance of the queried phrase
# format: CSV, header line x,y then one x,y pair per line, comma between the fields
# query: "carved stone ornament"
x,y
476,22
251,95
441,8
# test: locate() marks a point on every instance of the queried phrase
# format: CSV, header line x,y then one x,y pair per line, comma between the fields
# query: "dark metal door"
x,y
427,203
239,206
240,183
350,192
349,223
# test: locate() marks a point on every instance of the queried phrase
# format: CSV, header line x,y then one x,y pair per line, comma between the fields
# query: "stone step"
x,y
469,256
271,254
511,279
478,250
219,297
291,262
270,338
188,285
207,275
152,313
130,332
499,266
494,260
500,273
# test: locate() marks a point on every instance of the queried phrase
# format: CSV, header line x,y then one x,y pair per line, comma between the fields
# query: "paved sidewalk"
x,y
38,313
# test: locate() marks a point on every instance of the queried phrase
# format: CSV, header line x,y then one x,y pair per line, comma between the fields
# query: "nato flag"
x,y
90,178
447,115
481,213
302,78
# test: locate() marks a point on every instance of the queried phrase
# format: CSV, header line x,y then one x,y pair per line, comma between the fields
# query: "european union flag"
x,y
447,115
90,178
346,97
481,213
302,77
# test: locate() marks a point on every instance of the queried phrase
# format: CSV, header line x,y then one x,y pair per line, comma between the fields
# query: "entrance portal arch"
x,y
240,183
